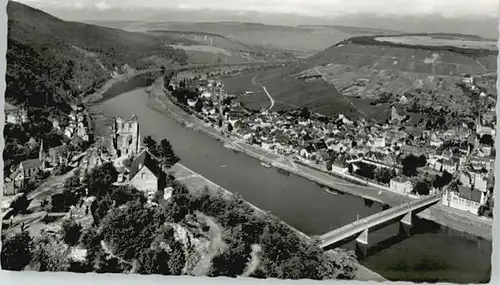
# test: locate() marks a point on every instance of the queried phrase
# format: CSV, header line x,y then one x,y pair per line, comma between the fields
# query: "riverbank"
x,y
440,214
197,182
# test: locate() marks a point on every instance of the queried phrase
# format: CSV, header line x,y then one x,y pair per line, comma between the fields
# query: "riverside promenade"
x,y
440,214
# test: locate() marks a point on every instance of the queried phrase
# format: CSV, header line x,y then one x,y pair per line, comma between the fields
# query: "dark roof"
x,y
145,159
469,194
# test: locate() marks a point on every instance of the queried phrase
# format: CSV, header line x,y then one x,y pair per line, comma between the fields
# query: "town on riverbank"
x,y
390,163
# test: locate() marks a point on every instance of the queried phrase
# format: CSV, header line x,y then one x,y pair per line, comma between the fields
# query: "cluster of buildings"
x,y
78,125
341,143
49,158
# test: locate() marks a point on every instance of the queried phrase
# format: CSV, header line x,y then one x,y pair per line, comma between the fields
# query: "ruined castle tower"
x,y
126,136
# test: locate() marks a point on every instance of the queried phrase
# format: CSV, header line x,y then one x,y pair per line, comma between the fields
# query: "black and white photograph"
x,y
249,139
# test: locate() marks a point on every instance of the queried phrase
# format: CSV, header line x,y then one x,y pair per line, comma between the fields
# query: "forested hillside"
x,y
49,60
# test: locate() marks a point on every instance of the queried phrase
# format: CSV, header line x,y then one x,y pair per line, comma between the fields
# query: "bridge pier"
x,y
362,244
361,250
363,237
406,224
407,219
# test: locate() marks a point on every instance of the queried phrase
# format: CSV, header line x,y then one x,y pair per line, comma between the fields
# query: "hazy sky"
x,y
307,7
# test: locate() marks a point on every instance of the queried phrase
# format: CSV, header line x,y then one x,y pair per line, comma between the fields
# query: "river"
x,y
431,253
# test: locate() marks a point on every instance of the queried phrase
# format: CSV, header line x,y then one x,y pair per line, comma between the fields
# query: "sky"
x,y
455,8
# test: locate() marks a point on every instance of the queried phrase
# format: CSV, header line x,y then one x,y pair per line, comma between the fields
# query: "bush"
x,y
71,232
17,251
20,204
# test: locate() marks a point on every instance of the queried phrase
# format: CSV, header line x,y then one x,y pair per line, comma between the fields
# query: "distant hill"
x,y
303,38
432,60
50,60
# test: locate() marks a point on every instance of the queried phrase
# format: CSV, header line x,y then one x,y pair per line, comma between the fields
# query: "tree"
x,y
366,171
487,140
421,161
422,188
166,154
20,204
177,259
150,144
99,180
230,127
198,107
130,229
62,202
74,185
17,251
51,254
410,164
71,232
383,175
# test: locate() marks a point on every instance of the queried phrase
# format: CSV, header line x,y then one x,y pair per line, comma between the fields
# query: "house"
x,y
485,130
245,133
9,187
468,79
15,115
465,199
146,174
401,185
379,142
435,141
26,170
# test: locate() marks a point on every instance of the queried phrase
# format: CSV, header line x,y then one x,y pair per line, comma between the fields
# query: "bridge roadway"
x,y
359,226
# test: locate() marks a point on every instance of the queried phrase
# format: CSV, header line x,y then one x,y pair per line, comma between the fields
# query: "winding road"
x,y
267,93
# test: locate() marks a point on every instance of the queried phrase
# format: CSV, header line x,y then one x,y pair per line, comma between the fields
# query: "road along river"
x,y
431,253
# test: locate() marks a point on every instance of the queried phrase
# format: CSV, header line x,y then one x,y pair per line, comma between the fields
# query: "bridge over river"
x,y
360,229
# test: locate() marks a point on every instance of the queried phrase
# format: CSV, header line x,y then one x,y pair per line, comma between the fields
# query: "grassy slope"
x,y
49,56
